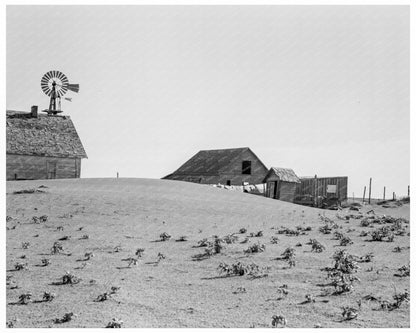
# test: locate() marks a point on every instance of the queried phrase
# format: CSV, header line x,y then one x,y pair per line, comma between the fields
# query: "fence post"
x,y
384,193
364,193
117,174
394,196
369,193
408,190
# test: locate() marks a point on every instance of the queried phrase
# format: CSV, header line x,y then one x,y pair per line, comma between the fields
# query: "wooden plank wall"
x,y
307,187
35,167
287,191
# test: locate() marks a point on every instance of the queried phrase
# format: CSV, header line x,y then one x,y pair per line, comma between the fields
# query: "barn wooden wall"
x,y
35,167
307,187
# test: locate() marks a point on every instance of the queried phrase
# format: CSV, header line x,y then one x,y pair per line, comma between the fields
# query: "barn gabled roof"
x,y
284,174
53,136
211,162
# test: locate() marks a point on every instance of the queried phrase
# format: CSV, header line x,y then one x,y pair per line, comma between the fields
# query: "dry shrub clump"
x,y
288,231
203,243
274,240
57,247
24,298
48,296
139,252
240,269
230,239
345,240
316,246
211,247
115,323
282,292
383,233
399,299
403,271
102,297
88,255
132,261
182,239
325,229
255,248
304,229
20,266
341,274
345,262
25,245
309,298
28,191
40,219
349,313
69,278
366,258
214,247
289,255
67,317
164,237
278,320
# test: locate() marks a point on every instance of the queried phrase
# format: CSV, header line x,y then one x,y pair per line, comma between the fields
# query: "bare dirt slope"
x,y
181,291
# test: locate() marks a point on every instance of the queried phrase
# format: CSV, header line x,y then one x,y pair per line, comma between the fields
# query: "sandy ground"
x,y
181,291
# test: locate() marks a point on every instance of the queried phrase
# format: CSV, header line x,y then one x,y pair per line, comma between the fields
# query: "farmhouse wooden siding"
x,y
222,166
41,167
308,187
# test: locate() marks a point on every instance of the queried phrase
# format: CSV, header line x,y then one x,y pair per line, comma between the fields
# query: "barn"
x,y
233,166
41,146
281,184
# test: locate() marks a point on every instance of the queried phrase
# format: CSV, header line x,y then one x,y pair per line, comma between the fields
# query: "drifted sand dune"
x,y
180,291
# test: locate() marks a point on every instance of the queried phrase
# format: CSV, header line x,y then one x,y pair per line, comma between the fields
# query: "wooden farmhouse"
x,y
281,184
223,166
42,146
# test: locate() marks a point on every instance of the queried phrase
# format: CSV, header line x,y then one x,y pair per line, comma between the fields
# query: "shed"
x,y
233,166
281,184
41,146
321,191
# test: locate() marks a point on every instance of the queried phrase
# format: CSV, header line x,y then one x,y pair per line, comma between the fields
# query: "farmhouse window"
x,y
246,170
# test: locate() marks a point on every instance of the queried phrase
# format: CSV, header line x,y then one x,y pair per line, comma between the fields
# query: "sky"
x,y
323,90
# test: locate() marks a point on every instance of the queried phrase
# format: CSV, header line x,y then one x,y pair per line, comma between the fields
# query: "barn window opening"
x,y
246,168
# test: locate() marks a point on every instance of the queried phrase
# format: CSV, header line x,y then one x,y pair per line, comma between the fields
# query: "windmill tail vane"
x,y
55,84
73,87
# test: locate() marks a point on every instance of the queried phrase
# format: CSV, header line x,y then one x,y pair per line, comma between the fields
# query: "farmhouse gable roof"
x,y
53,136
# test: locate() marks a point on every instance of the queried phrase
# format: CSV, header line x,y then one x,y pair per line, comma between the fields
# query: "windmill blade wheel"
x,y
60,80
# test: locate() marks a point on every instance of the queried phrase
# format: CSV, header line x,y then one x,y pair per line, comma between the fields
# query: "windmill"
x,y
55,84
